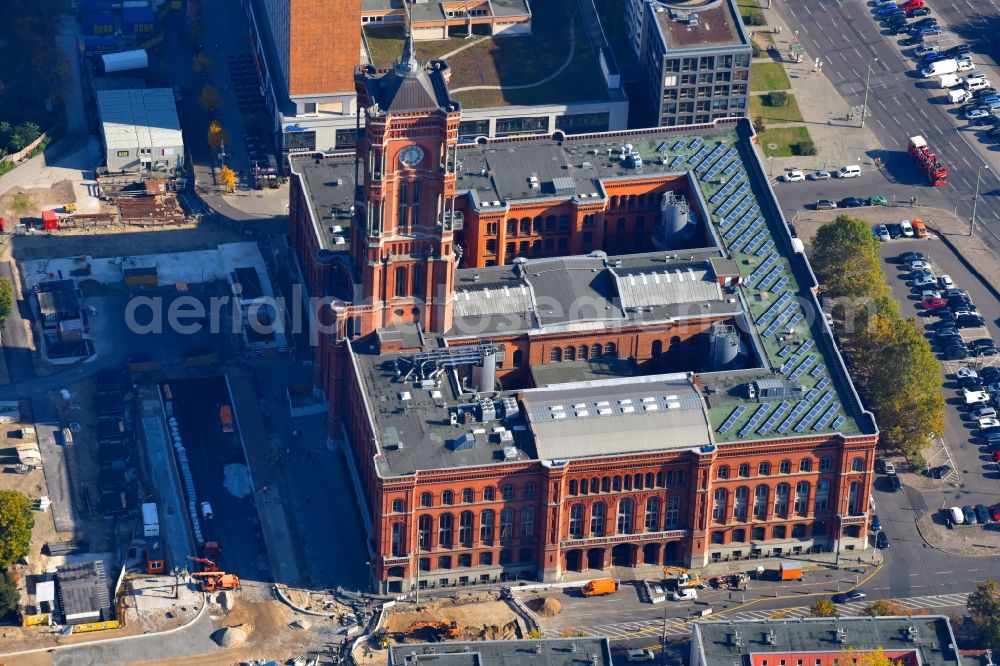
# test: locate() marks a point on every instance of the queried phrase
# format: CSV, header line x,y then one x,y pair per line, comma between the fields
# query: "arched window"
x,y
673,513
740,500
397,540
400,281
576,521
583,353
556,354
507,491
719,505
637,481
511,227
722,472
486,520
525,225
425,499
489,494
764,469
595,351
572,487
760,494
397,505
465,529
605,484
781,492
424,526
744,470
653,514
611,350
506,524
650,480
550,222
598,518
857,465
527,522
626,512
595,486
506,555
805,465
785,467
853,497
570,353
518,358
822,495
418,280
616,484
447,498
657,347
802,498
468,496
445,525
628,482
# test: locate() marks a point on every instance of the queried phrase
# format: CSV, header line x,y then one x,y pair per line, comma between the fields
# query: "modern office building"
x,y
695,59
306,54
920,640
554,354
140,129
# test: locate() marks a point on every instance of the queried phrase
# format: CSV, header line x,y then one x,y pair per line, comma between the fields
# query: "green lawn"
x,y
750,8
510,61
786,139
768,76
777,114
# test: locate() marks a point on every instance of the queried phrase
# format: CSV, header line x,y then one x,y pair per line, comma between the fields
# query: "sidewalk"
x,y
832,123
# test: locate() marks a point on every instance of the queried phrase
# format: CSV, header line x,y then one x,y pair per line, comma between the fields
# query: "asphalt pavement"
x,y
848,40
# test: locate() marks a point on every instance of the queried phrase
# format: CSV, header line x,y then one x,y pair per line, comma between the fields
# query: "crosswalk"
x,y
682,627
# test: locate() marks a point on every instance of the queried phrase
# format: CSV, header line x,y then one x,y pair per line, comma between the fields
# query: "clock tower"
x,y
402,240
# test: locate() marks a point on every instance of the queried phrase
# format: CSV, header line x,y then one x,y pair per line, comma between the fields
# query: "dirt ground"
x,y
35,200
478,619
315,601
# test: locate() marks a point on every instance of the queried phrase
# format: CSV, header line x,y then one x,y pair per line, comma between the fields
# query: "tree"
x,y
758,124
16,523
876,657
984,604
227,178
202,63
6,299
217,135
884,607
805,148
823,608
777,98
846,260
209,98
9,596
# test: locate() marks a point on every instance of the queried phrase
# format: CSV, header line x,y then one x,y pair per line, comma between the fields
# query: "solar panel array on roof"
x,y
766,247
663,148
785,351
781,319
837,422
787,423
726,190
818,370
834,408
731,420
679,160
696,144
757,417
806,363
773,418
774,275
699,156
814,412
723,161
710,160
680,145
823,383
764,266
806,346
775,308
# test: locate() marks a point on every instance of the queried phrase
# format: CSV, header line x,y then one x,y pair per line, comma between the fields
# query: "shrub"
x,y
755,17
757,51
777,98
758,124
805,148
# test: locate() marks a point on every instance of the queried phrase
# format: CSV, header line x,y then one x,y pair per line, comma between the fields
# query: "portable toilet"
x,y
49,220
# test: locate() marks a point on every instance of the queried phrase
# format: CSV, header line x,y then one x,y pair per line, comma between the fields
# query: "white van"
x,y
206,511
686,594
957,517
849,171
906,228
958,96
946,66
949,80
638,654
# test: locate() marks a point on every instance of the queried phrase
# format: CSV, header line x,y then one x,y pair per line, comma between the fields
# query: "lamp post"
x,y
868,80
975,199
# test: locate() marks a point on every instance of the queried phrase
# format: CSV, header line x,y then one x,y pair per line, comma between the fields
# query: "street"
x,y
847,38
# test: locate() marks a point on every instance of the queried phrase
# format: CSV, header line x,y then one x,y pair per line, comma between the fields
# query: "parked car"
x,y
946,282
883,233
853,202
825,204
906,227
929,31
895,231
970,515
793,176
920,265
954,354
847,597
977,114
969,320
876,524
934,304
984,412
910,257
819,175
918,12
925,280
894,482
983,514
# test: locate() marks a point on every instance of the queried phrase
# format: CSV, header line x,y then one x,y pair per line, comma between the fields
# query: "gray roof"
x,y
139,118
582,290
718,24
434,9
83,590
535,652
617,416
716,643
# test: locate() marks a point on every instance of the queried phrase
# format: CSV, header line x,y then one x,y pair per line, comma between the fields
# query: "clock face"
x,y
411,155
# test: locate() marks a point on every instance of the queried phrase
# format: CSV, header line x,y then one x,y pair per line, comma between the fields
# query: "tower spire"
x,y
408,63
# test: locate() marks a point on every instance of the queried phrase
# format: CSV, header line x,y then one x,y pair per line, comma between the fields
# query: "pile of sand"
x,y
230,637
547,607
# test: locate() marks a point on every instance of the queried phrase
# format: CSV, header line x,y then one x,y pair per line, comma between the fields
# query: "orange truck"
x,y
226,418
600,587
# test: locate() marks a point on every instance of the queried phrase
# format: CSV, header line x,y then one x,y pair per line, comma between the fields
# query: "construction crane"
x,y
210,581
207,565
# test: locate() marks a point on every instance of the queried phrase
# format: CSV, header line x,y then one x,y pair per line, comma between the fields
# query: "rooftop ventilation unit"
x,y
509,453
912,633
771,638
841,635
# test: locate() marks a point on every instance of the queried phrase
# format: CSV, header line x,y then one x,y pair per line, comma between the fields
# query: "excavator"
x,y
207,565
683,577
210,581
441,630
